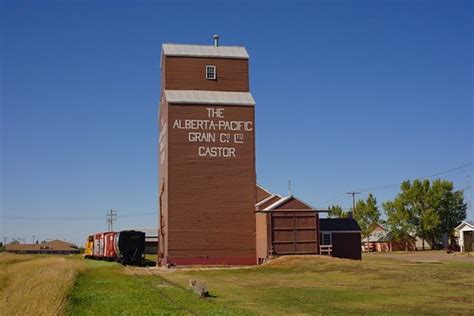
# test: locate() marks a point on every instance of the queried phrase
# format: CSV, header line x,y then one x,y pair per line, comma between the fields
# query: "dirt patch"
x,y
288,261
435,256
457,299
164,271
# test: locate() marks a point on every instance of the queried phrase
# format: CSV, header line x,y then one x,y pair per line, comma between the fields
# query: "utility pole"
x,y
111,218
34,238
289,187
469,197
353,193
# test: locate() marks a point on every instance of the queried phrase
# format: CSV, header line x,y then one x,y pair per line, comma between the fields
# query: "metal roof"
x,y
209,97
237,52
338,224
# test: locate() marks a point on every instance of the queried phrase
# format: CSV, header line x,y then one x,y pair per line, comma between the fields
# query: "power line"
x,y
427,177
72,218
381,187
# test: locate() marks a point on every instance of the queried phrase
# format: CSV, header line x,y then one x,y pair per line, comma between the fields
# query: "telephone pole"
x,y
111,218
469,198
353,193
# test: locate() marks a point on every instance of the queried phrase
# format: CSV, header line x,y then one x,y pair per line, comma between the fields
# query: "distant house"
x,y
465,234
381,239
378,240
51,247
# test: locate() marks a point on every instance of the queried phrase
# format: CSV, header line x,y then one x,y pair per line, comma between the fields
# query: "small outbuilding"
x,y
343,234
289,226
465,233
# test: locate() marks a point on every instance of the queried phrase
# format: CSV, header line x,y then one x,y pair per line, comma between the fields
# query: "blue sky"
x,y
350,95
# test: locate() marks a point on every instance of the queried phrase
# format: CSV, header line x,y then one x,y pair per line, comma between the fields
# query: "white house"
x,y
465,232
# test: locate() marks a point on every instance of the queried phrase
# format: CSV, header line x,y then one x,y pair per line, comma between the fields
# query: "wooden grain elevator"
x,y
207,191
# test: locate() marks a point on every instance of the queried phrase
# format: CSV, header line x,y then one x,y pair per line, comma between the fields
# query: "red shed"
x,y
288,226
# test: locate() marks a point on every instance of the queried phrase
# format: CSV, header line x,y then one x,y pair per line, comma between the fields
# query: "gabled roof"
x,y
264,189
278,203
209,97
283,200
267,199
236,52
465,223
338,224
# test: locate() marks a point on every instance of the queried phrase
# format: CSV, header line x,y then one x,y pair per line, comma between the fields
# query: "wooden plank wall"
x,y
187,73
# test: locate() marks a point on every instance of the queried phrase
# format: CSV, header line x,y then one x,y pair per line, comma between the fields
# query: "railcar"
x,y
126,247
89,248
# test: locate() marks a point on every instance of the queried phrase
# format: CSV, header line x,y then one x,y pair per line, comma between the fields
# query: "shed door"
x,y
468,241
294,233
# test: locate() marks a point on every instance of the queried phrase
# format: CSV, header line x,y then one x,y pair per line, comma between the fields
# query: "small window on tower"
x,y
210,72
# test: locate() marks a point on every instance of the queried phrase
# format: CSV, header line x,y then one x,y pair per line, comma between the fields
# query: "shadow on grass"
x,y
147,263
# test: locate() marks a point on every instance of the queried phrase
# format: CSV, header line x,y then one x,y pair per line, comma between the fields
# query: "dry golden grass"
x,y
36,285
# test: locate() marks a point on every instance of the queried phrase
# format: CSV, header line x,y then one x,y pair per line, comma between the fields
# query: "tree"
x,y
337,212
449,206
414,204
367,215
426,209
420,198
399,221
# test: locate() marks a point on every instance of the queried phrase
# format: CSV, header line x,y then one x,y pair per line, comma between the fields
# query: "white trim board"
x,y
267,199
209,97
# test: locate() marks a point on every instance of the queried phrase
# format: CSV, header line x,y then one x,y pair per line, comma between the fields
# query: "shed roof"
x,y
465,223
338,224
268,198
278,203
285,199
236,52
209,97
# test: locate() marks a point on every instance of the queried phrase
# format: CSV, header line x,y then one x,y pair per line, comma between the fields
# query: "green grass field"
x,y
331,286
379,285
105,289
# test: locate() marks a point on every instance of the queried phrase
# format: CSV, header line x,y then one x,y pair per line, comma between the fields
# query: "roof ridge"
x,y
210,45
195,50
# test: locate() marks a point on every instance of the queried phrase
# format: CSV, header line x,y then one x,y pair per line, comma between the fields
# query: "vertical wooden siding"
x,y
211,201
188,73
